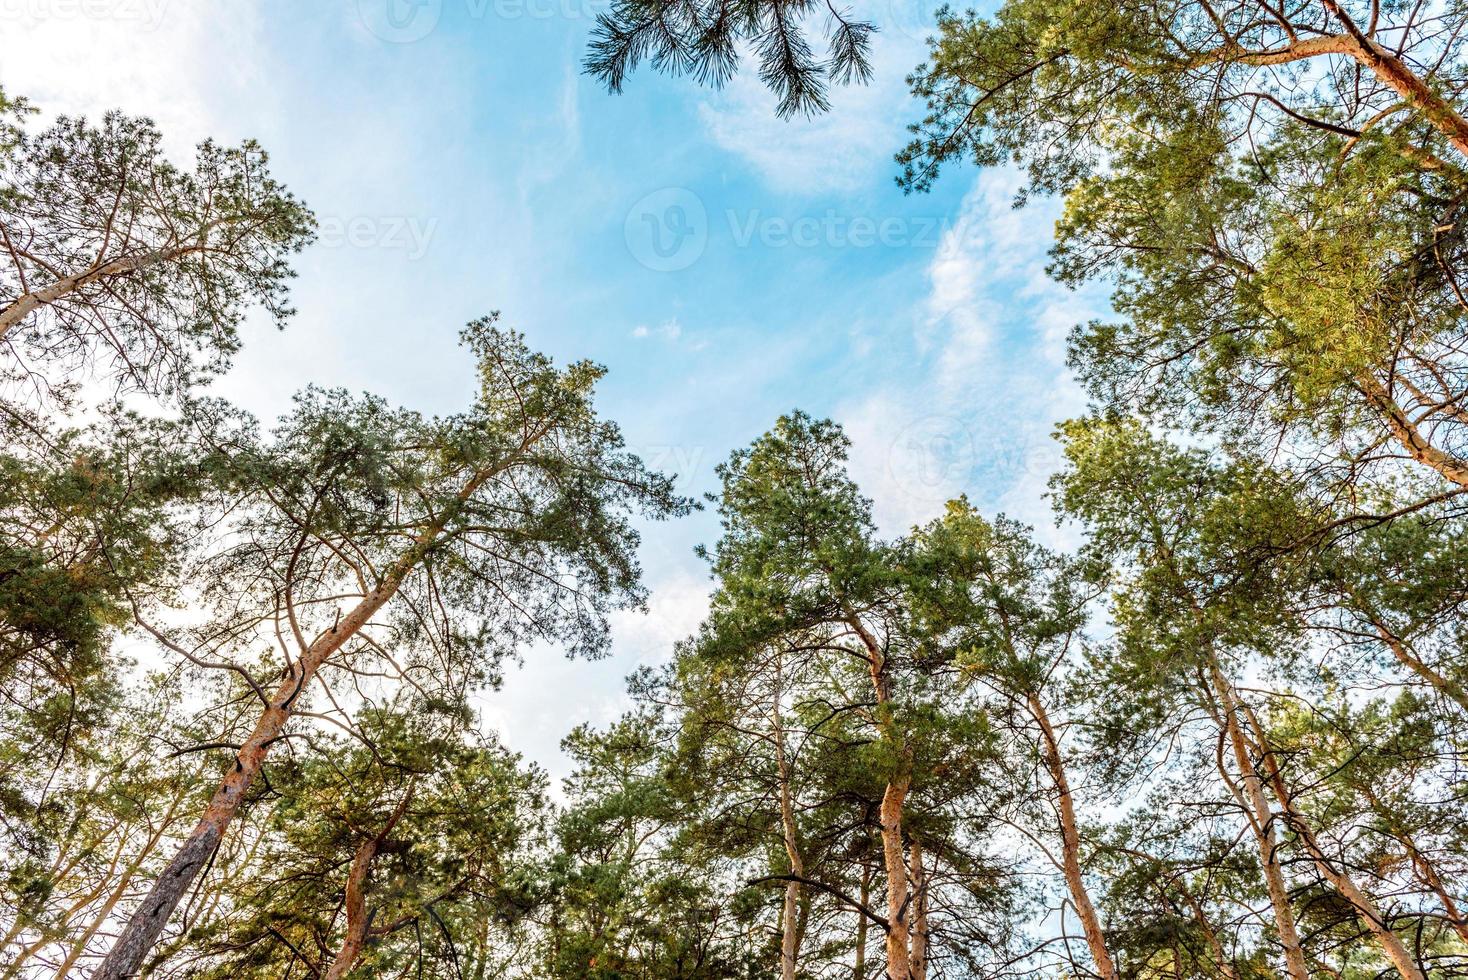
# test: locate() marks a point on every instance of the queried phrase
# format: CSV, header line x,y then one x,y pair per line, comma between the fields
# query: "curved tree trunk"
x,y
1390,70
355,940
1261,820
1391,944
146,925
1447,688
1070,840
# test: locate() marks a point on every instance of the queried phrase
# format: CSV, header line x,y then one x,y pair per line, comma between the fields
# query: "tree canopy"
x,y
1218,731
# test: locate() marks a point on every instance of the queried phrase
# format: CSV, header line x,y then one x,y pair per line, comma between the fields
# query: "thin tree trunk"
x,y
899,966
65,863
1440,889
1262,821
859,969
1409,436
23,305
358,921
1405,656
1256,806
790,925
1210,935
1071,844
24,956
147,923
919,963
1423,866
1391,944
80,946
894,858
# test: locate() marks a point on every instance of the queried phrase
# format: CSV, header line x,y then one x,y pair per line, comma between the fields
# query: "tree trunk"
x,y
789,930
23,305
1421,864
1210,935
145,926
790,926
64,923
80,946
1390,70
1440,889
1409,436
1391,944
1071,844
859,969
893,797
919,964
355,940
1262,821
899,965
1447,688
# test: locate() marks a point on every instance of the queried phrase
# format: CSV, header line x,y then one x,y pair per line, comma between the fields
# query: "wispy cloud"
x,y
841,151
989,339
669,330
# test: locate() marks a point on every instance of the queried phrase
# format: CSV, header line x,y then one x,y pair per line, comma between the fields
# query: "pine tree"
x,y
363,536
121,267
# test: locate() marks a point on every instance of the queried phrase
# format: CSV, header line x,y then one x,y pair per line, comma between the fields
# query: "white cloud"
x,y
677,605
669,330
989,336
543,700
555,145
171,61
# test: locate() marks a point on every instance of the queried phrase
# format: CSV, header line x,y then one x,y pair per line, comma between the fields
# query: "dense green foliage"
x,y
1222,736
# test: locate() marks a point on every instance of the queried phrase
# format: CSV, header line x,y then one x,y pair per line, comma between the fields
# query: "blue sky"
x,y
725,265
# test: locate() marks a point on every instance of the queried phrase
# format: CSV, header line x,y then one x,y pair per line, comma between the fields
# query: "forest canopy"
x,y
1223,734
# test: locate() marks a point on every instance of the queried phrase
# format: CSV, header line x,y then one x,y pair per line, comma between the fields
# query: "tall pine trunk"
x,y
859,967
919,964
1070,844
146,925
1261,820
899,963
1391,944
894,796
790,917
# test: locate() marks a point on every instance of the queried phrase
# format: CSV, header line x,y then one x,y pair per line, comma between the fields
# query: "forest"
x,y
1223,736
